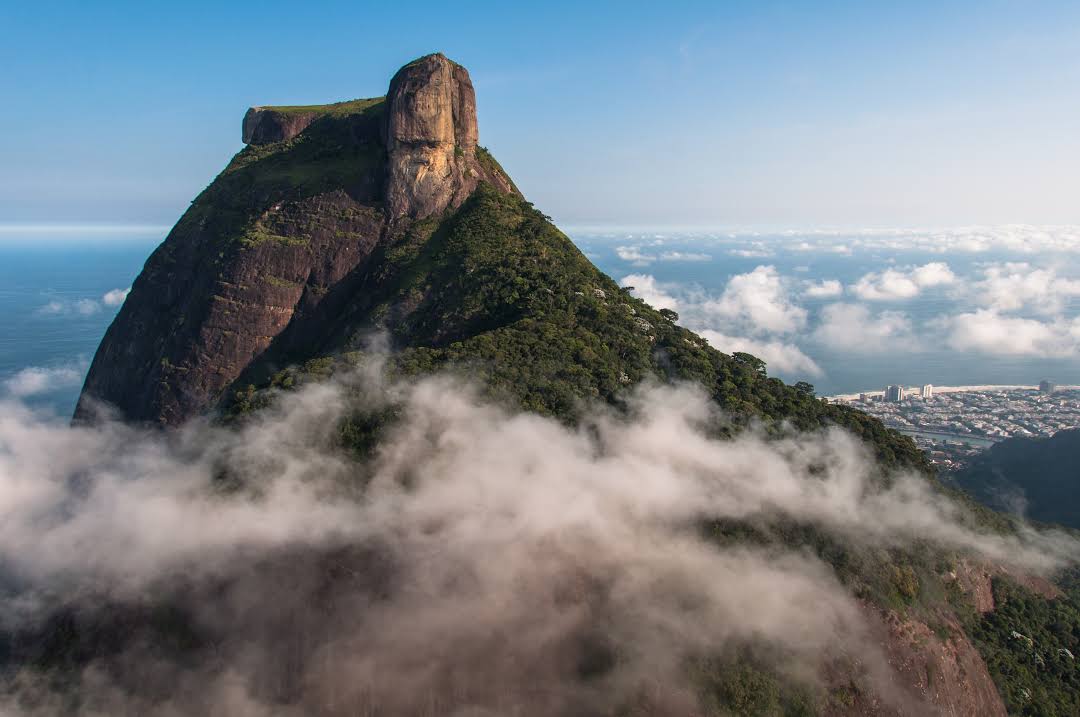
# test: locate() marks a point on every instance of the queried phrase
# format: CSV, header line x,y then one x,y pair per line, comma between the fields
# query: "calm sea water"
x,y
53,312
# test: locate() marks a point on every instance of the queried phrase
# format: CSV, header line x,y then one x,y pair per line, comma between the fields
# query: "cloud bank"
x,y
754,314
482,561
897,285
84,306
855,328
35,380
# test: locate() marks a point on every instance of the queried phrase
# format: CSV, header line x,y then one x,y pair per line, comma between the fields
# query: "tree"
x,y
750,361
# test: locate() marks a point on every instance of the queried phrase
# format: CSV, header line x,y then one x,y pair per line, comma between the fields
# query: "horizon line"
x,y
95,227
597,227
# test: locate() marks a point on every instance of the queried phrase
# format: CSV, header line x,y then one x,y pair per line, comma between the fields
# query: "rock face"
x,y
431,138
266,125
275,247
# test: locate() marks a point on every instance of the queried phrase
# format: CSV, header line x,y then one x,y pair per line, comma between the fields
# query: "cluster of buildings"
x,y
897,393
971,418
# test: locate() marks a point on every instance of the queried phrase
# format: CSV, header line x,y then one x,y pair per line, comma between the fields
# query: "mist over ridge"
x,y
502,537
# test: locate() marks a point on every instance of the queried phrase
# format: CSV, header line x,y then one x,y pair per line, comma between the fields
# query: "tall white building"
x,y
927,391
894,394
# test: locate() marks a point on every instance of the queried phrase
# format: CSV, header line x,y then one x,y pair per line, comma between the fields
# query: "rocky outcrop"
x,y
272,252
431,138
265,125
919,671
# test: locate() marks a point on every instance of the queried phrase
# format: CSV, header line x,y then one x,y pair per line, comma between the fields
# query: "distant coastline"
x,y
952,389
973,440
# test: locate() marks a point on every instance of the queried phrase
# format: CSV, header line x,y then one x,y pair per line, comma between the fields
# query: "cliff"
x,y
276,239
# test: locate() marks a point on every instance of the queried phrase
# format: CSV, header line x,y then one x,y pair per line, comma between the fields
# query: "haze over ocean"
x,y
846,311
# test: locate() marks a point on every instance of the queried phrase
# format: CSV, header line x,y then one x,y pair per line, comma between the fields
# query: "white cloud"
x,y
84,307
759,302
778,356
634,255
987,331
684,256
1014,286
66,307
35,380
819,247
752,250
649,290
852,327
936,273
115,297
483,542
824,289
755,304
1019,239
898,284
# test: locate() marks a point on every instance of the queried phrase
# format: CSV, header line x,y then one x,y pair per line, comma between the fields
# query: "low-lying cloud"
x,y
826,288
1014,286
634,255
35,380
780,357
900,284
754,314
84,306
857,329
988,331
760,301
481,561
115,297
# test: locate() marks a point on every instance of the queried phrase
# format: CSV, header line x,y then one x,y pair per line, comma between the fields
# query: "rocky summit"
x,y
385,215
276,241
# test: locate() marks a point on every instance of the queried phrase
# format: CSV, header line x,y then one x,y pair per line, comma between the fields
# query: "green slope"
x,y
496,290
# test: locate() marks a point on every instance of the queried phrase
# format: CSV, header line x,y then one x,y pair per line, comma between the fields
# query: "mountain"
x,y
270,254
1038,477
383,221
337,221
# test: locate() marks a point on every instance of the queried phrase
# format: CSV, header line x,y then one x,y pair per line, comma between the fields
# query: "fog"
x,y
481,561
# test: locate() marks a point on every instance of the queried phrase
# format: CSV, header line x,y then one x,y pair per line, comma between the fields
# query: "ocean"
x,y
53,307
60,289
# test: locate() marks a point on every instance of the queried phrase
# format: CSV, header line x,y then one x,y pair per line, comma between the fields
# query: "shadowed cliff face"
x,y
281,238
266,125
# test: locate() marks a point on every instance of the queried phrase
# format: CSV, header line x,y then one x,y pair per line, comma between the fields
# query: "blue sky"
x,y
651,114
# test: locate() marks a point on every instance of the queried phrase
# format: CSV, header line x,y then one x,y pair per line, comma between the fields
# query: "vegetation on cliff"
x,y
1031,645
496,291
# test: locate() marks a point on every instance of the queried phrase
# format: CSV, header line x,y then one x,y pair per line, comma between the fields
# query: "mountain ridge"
x,y
1035,477
290,217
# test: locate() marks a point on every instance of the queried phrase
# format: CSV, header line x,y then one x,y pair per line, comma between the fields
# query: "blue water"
x,y
52,313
